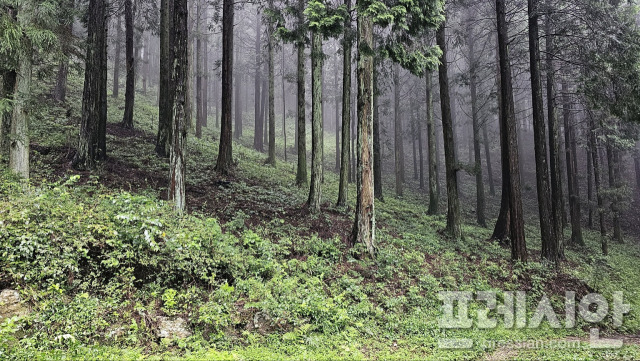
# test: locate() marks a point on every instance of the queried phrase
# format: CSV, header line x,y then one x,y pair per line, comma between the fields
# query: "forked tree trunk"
x,y
364,225
316,123
225,150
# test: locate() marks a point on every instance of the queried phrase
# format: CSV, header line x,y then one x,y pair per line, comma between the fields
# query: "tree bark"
x,y
129,93
271,160
557,204
398,144
510,143
612,162
199,68
225,152
433,152
346,111
364,224
548,231
316,123
165,106
377,155
92,142
473,68
572,170
9,78
284,107
238,102
116,61
454,227
177,162
301,172
258,143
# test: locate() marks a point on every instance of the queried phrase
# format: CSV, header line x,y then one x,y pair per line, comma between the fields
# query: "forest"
x,y
319,180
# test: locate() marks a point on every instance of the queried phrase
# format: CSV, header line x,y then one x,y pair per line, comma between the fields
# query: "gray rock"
x,y
11,304
173,328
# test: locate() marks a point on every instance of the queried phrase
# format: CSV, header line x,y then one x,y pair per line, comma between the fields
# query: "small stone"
x,y
11,304
173,328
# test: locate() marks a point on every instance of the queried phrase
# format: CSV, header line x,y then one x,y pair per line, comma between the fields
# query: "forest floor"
x,y
101,258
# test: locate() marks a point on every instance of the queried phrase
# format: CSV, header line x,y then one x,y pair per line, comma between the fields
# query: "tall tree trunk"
x,y
398,144
365,225
9,78
572,175
165,96
258,141
238,102
420,148
454,227
91,145
473,68
589,183
557,204
272,110
177,162
612,161
377,155
225,152
413,145
284,107
60,89
593,142
129,93
510,143
433,152
316,122
336,118
116,61
19,142
487,156
346,111
199,67
547,225
205,77
301,172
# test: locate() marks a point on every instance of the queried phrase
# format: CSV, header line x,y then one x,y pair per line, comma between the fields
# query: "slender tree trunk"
x,y
238,102
129,93
259,126
473,68
398,140
225,152
199,67
554,139
165,96
271,160
346,112
284,107
205,77
510,142
593,142
177,162
612,161
454,227
301,173
377,155
60,90
413,145
547,224
336,118
487,156
433,152
364,225
572,175
316,123
589,183
116,61
636,162
420,149
91,144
